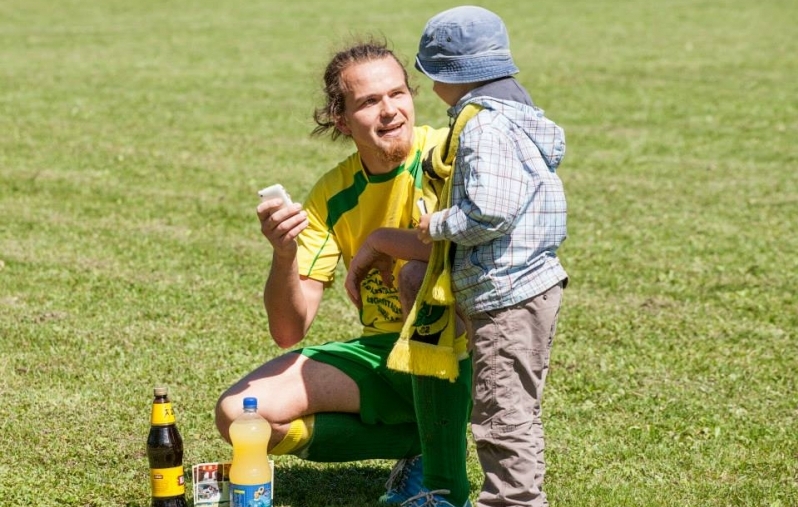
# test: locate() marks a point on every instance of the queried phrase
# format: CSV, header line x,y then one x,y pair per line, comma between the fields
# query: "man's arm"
x,y
291,302
379,251
399,244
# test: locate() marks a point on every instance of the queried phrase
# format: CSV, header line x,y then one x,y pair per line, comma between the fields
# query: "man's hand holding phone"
x,y
281,220
275,191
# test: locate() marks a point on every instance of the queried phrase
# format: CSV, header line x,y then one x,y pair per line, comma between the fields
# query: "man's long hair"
x,y
334,87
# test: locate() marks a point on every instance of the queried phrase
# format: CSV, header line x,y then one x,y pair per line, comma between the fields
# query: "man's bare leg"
x,y
289,386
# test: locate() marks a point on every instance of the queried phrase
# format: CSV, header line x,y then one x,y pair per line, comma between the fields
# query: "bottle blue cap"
x,y
251,403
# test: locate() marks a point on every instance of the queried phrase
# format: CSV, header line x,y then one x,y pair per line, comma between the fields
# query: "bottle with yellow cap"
x,y
165,454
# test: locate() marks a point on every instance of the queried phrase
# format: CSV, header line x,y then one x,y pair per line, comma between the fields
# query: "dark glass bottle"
x,y
165,453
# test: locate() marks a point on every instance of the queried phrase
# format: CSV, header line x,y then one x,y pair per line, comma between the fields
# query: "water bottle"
x,y
250,473
165,454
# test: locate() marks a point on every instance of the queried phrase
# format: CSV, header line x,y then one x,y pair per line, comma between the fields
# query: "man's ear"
x,y
340,124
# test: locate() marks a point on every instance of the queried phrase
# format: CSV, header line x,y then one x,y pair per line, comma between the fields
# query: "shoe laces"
x,y
398,474
427,496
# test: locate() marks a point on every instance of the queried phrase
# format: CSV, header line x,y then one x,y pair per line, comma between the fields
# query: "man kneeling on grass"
x,y
338,401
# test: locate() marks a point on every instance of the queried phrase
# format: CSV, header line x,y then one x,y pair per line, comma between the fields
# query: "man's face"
x,y
378,113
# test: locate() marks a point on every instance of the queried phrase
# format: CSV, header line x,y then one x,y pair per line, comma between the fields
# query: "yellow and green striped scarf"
x,y
428,343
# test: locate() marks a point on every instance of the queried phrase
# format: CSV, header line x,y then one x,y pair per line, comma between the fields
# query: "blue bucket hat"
x,y
465,45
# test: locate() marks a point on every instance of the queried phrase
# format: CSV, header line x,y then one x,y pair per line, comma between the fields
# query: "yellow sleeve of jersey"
x,y
318,251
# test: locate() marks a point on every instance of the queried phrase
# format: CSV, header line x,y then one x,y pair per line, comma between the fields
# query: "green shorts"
x,y
386,396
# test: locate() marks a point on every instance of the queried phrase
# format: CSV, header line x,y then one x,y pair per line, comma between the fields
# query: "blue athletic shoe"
x,y
427,498
404,482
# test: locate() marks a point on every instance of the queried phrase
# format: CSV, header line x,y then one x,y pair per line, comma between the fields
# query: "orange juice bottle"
x,y
250,473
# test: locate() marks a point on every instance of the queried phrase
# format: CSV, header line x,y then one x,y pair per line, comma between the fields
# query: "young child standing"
x,y
505,220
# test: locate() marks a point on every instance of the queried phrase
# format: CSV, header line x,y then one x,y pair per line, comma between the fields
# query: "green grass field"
x,y
134,135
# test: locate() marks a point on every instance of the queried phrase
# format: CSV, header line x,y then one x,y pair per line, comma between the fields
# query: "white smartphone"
x,y
275,191
422,206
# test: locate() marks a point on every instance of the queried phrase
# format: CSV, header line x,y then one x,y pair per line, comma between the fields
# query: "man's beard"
x,y
395,152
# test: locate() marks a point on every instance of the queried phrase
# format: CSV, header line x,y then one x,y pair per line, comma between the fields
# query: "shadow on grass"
x,y
344,485
328,485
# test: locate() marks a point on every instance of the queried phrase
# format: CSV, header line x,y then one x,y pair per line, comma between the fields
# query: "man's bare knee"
x,y
225,413
294,386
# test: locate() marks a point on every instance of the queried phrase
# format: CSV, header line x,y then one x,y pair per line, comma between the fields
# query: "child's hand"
x,y
422,229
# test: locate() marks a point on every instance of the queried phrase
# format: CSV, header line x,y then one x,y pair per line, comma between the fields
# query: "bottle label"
x,y
258,495
162,414
167,482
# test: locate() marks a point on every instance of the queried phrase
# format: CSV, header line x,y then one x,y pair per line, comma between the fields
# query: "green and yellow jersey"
x,y
347,204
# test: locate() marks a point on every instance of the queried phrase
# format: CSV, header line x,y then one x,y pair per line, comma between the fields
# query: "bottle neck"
x,y
162,413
